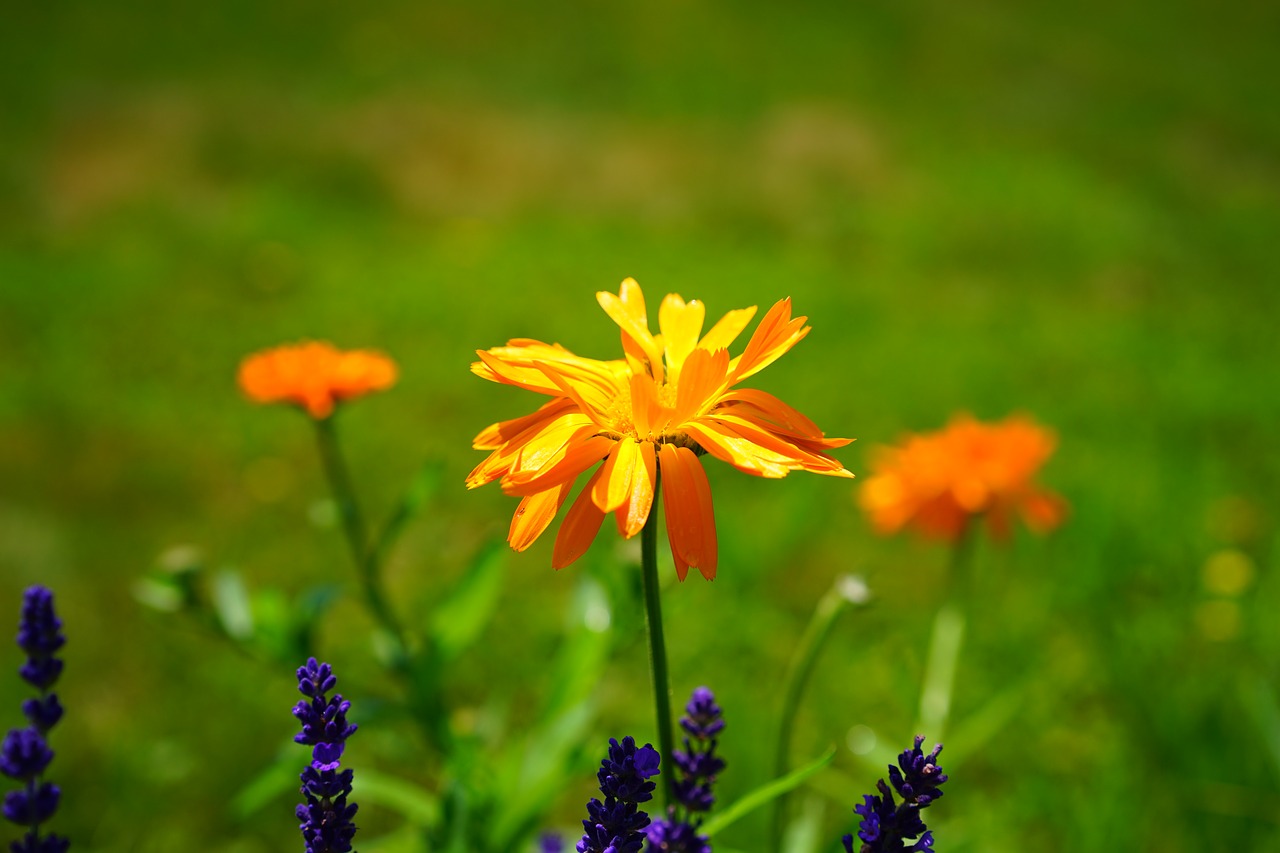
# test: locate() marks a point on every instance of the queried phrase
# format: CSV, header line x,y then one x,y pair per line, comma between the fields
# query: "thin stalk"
x,y
363,554
657,646
845,591
947,639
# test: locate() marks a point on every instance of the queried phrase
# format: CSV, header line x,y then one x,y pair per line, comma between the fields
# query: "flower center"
x,y
620,420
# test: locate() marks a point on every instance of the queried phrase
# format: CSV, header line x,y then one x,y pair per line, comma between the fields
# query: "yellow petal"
x,y
550,444
738,452
628,311
681,324
531,448
495,435
613,486
633,514
726,331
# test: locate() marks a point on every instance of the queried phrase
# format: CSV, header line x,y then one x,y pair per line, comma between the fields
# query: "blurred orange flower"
x,y
667,402
936,482
315,375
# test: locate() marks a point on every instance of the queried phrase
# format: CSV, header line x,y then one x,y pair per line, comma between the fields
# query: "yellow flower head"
x,y
935,482
667,402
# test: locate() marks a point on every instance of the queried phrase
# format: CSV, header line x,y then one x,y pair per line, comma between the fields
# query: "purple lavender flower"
x,y
697,765
326,815
550,842
887,825
616,825
674,836
25,753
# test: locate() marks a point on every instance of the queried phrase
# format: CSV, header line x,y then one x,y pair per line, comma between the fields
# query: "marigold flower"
x,y
314,375
668,401
935,482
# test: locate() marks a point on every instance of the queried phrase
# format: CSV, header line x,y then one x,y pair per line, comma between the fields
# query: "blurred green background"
x,y
1069,210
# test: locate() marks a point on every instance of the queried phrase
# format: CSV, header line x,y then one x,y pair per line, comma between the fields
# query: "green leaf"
x,y
972,733
804,834
1260,700
273,618
231,604
407,799
579,663
940,670
159,594
766,793
406,839
528,787
463,615
423,487
271,783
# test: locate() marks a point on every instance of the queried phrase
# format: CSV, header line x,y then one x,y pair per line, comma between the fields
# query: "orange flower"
x,y
314,375
937,481
667,402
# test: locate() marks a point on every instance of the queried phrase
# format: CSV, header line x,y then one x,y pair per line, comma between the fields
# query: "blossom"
x,y
616,825
672,398
697,765
25,752
887,825
314,375
674,836
326,815
935,482
697,762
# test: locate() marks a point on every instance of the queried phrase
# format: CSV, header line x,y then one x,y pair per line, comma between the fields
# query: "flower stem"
x,y
947,639
363,555
657,645
846,590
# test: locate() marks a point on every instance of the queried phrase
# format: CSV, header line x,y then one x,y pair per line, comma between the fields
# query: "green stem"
x,y
844,592
946,640
657,646
363,555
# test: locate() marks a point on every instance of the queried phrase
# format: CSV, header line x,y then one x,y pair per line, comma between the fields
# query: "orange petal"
x,y
1043,511
632,515
776,334
578,457
700,382
534,514
592,399
691,524
647,414
797,456
550,445
613,486
781,417
579,528
496,369
738,452
532,448
494,435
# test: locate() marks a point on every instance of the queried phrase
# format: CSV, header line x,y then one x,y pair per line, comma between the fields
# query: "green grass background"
x,y
1065,210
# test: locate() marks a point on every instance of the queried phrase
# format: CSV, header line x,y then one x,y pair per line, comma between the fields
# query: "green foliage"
x,y
1066,210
